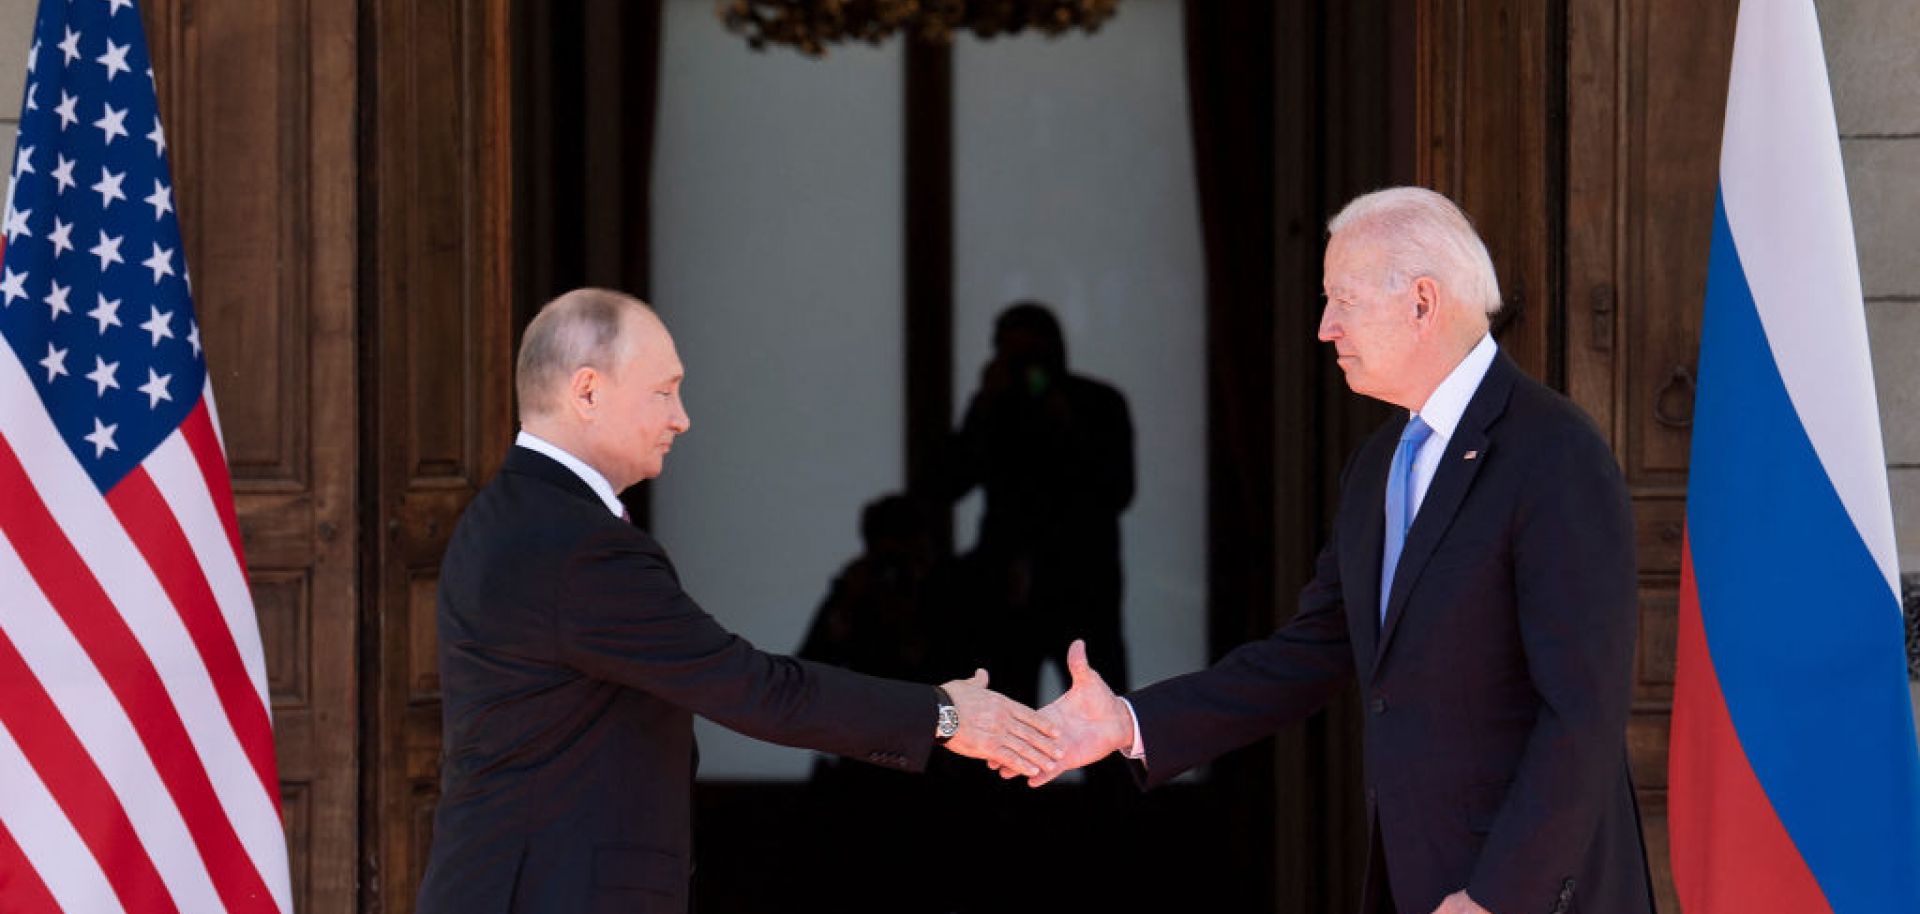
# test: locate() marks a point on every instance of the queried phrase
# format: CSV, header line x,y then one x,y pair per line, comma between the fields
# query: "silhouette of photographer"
x,y
1053,452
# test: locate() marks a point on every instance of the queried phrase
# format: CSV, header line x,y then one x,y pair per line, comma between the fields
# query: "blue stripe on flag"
x,y
1803,630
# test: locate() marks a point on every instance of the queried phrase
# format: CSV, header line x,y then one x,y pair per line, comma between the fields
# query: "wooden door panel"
x,y
258,102
1486,136
441,403
240,140
1646,93
1677,60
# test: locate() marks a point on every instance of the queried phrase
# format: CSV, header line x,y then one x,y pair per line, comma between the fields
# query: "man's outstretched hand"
x,y
1007,735
1089,721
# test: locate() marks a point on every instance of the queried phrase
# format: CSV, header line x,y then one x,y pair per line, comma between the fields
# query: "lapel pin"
x,y
1470,455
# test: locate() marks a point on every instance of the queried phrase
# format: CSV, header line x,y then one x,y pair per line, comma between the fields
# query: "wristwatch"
x,y
949,717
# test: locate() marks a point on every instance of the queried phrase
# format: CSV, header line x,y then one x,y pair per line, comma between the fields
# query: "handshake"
x,y
1078,729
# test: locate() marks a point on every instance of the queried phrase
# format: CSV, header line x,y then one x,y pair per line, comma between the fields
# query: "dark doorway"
x,y
1295,108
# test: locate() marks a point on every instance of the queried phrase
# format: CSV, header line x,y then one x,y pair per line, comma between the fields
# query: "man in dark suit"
x,y
572,663
1479,583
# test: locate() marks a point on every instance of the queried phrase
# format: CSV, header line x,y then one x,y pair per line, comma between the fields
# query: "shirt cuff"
x,y
1137,751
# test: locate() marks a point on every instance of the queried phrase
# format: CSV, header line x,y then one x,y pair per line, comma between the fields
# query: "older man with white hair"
x,y
1479,584
571,662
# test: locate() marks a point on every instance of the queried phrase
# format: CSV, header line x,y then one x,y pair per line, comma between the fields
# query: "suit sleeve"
x,y
1575,595
623,617
1254,690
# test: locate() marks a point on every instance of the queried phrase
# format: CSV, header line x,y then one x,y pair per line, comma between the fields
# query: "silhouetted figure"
x,y
1054,453
885,615
880,614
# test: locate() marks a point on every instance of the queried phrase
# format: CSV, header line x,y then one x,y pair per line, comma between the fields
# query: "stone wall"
x,y
1873,56
16,29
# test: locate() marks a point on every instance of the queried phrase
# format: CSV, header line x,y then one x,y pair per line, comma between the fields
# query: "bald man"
x,y
1479,584
572,663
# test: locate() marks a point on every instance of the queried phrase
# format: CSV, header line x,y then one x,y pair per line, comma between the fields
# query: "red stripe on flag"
x,y
197,429
1730,851
75,593
20,884
77,785
137,502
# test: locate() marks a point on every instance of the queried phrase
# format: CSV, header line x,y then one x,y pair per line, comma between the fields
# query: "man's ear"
x,y
1426,300
582,390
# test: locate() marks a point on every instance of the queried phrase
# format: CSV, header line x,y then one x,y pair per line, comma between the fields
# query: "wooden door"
x,y
363,388
258,101
1646,94
438,401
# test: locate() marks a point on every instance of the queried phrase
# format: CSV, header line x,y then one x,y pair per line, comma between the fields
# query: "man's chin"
x,y
648,471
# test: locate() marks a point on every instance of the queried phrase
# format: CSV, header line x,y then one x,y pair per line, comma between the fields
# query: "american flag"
x,y
136,748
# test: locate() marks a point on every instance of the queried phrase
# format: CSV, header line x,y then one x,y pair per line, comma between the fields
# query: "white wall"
x,y
1073,184
777,265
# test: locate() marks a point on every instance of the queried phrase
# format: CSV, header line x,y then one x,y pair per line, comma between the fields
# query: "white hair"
x,y
1422,233
581,329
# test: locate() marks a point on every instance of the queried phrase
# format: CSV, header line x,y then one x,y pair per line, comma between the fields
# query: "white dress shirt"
x,y
1442,413
587,474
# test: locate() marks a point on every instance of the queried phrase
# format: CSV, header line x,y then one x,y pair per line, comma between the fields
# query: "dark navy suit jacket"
x,y
571,665
1497,689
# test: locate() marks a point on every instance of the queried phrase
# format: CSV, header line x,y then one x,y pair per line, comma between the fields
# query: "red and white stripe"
x,y
136,751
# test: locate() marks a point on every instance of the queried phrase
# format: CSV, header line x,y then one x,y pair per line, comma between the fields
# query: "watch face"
x,y
949,721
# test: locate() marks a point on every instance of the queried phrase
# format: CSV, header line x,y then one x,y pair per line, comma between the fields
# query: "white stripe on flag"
x,y
255,816
98,721
1786,197
213,413
48,839
123,574
178,477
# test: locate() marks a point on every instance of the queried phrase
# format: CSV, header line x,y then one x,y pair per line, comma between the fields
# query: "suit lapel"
x,y
1451,481
1362,533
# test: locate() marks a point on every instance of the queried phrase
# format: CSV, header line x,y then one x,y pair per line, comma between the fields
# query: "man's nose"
x,y
1329,329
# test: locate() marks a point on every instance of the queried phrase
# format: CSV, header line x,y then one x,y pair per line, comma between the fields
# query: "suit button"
x,y
1378,705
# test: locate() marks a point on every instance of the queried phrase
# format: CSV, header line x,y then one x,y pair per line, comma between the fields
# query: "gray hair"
x,y
580,329
1422,233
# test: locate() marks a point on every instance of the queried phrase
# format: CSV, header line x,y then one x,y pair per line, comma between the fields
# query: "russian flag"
x,y
1794,782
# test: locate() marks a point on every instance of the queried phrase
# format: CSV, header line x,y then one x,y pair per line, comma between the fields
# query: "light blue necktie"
x,y
1400,504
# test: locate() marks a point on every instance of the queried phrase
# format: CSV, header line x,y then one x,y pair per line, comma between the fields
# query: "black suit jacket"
x,y
571,665
1496,692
